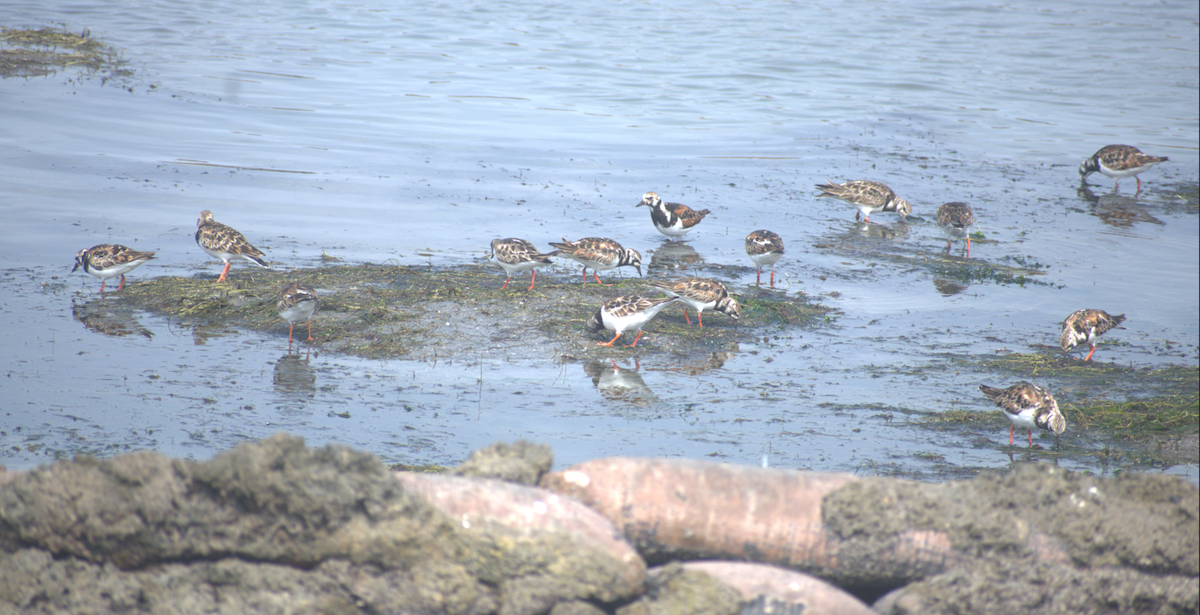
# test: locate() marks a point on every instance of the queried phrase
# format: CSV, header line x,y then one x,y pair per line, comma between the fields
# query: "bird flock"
x,y
1024,404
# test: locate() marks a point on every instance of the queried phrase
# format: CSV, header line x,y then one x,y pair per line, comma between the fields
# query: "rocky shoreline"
x,y
277,527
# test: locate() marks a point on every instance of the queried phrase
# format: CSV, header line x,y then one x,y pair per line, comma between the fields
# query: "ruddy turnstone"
x,y
868,196
1085,326
764,248
671,219
517,255
701,294
1118,162
297,303
225,243
956,220
600,254
1028,406
109,260
626,312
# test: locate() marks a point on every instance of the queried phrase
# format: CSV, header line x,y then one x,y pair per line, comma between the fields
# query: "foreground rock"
x,y
1036,540
273,527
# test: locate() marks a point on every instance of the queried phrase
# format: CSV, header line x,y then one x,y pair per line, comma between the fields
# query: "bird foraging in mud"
x,y
1085,326
1028,406
109,260
701,294
599,253
1118,162
626,312
517,255
956,219
869,197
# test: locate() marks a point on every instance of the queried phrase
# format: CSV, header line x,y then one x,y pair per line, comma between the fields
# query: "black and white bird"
x,y
671,219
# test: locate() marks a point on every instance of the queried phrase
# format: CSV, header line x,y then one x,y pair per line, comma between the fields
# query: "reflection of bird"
x,y
1028,406
1085,326
225,243
297,303
867,196
626,312
948,288
1118,162
671,219
694,365
109,260
619,383
294,376
107,320
673,256
701,294
764,248
517,255
599,253
956,220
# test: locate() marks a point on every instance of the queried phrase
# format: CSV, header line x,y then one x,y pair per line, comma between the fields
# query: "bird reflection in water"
x,y
294,376
1115,209
620,384
948,288
108,319
695,365
674,256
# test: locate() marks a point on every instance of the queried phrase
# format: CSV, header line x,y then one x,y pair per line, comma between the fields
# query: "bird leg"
x,y
122,284
597,279
610,342
506,282
635,340
224,272
1090,353
532,281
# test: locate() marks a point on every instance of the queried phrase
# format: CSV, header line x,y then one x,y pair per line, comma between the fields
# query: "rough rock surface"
x,y
520,462
269,527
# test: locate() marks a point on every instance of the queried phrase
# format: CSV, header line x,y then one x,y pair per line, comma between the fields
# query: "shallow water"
x,y
417,134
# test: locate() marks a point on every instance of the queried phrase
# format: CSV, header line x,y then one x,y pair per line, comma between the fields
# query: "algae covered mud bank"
x,y
481,350
390,312
277,527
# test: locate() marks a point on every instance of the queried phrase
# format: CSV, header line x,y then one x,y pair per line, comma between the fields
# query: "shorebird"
x,y
1027,405
109,260
701,294
626,312
671,219
297,303
764,248
599,253
517,255
956,220
867,196
1119,162
1085,326
225,243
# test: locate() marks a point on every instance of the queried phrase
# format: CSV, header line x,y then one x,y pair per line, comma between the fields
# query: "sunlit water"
x,y
417,133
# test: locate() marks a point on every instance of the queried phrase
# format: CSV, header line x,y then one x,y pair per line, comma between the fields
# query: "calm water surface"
x,y
417,133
